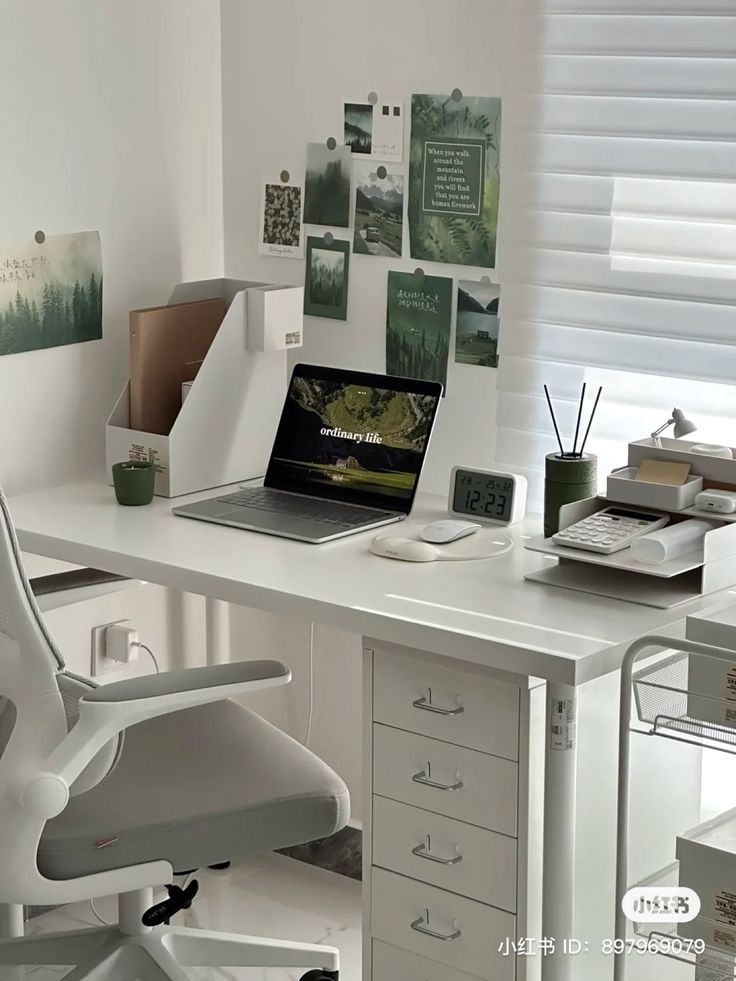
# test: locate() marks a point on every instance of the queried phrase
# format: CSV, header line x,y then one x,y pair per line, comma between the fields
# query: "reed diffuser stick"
x,y
577,424
590,421
554,421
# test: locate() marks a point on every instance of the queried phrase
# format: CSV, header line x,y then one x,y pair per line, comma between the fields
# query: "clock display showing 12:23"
x,y
484,496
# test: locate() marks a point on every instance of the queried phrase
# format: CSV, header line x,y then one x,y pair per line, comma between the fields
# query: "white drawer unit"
x,y
450,854
441,926
392,964
459,707
437,776
453,819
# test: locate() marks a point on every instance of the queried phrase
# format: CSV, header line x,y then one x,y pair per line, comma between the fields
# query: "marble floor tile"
x,y
272,896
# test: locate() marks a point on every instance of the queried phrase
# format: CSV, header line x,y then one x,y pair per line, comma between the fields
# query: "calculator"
x,y
610,530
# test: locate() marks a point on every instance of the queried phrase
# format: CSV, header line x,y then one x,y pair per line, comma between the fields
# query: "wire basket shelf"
x,y
667,702
712,965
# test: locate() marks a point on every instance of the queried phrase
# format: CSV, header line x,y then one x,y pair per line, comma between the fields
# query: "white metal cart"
x,y
667,707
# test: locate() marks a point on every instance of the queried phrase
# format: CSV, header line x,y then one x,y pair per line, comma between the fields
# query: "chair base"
x,y
162,954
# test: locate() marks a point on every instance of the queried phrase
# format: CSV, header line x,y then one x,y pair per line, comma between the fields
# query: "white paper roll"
x,y
670,542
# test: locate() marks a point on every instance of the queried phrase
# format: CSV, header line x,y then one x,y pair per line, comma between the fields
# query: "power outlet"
x,y
101,663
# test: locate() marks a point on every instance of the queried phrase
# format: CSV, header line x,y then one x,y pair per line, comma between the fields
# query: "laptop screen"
x,y
353,436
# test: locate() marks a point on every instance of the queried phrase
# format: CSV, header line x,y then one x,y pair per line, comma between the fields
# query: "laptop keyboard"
x,y
311,509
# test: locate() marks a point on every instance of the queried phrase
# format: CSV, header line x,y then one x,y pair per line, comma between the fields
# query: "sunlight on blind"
x,y
619,262
685,228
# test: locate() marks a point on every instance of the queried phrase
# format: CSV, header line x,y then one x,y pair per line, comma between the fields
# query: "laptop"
x,y
347,457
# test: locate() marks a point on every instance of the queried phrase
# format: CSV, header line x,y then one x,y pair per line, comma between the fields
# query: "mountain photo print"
x,y
379,213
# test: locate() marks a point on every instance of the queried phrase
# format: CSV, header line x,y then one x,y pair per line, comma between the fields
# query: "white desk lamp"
x,y
683,426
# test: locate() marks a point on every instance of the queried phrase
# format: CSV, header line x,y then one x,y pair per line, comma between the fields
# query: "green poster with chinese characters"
x,y
418,318
454,179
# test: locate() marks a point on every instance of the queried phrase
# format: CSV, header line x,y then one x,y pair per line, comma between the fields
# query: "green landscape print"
x,y
452,232
326,281
476,334
327,185
359,126
379,214
50,293
418,326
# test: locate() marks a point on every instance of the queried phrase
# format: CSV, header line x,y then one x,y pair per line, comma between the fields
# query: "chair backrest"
x,y
31,669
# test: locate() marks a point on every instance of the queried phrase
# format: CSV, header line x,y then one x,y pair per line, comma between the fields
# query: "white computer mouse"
x,y
448,530
406,549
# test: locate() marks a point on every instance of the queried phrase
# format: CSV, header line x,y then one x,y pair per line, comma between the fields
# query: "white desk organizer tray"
x,y
225,429
621,576
713,469
622,486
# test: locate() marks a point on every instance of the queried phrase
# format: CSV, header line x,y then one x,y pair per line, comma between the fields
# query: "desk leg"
x,y
12,927
559,828
11,922
217,632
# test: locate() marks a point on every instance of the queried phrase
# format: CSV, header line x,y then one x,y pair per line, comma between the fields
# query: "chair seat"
x,y
196,788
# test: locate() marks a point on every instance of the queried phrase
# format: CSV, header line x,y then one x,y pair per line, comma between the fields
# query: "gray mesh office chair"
x,y
114,789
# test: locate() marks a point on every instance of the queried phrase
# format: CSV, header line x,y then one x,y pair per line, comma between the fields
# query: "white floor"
x,y
272,896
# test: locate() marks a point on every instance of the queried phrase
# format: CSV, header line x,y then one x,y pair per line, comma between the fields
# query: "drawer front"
x,y
446,853
465,709
472,932
392,964
485,787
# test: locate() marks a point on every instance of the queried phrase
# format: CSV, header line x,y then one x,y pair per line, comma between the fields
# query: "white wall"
x,y
111,121
285,68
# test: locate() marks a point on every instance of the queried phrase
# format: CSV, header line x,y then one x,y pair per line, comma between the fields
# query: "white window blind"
x,y
620,226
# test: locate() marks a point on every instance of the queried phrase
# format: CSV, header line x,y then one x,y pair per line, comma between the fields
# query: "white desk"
x,y
480,617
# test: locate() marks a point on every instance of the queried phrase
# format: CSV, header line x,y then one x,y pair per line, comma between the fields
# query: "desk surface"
x,y
480,611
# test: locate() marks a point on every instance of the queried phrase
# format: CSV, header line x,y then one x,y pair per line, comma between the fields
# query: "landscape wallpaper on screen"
x,y
353,436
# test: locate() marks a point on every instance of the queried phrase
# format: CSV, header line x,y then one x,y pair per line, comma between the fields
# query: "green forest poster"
x,y
50,292
454,179
418,318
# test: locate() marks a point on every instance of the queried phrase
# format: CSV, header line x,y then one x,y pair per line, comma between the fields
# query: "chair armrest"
x,y
107,711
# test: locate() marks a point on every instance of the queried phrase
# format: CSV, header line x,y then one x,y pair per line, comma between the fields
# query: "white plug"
x,y
121,643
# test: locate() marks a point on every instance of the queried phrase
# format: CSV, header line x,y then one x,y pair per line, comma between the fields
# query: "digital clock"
x,y
491,496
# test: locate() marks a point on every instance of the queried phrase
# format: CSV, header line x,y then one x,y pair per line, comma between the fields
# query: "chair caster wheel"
x,y
320,974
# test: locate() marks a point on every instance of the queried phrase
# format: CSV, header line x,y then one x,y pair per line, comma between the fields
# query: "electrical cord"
x,y
100,919
310,716
150,653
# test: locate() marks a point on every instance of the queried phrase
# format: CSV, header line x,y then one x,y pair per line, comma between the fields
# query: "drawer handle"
x,y
425,777
421,925
426,705
425,851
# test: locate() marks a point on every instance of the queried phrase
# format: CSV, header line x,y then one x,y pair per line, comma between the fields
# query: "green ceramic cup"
x,y
134,482
567,479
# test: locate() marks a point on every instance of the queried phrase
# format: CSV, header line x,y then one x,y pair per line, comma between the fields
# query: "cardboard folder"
x,y
167,346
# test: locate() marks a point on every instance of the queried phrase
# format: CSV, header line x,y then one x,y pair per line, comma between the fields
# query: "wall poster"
x,y
327,185
454,179
418,318
379,212
326,278
476,332
374,130
281,219
50,292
